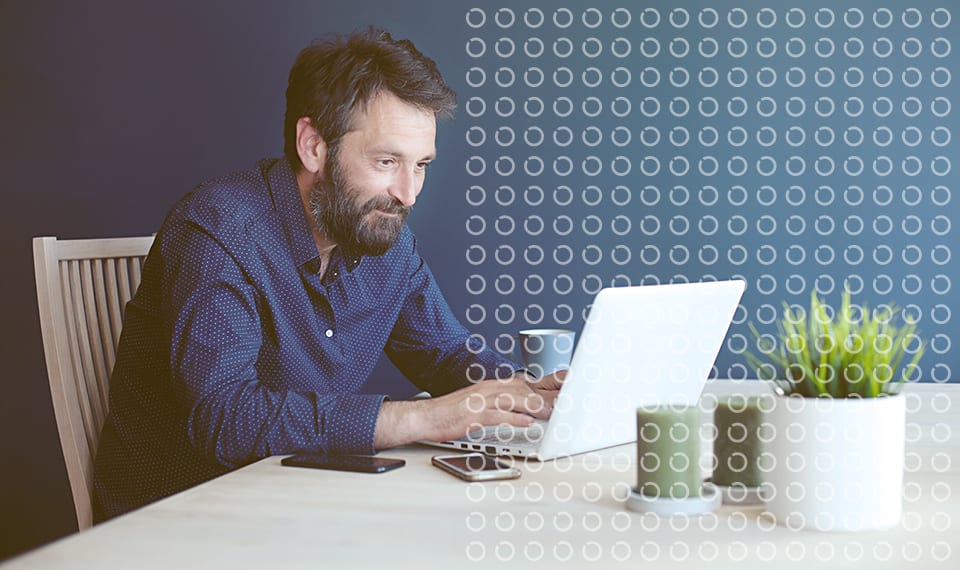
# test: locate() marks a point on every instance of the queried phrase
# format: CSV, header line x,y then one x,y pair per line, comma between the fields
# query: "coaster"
x,y
710,499
741,496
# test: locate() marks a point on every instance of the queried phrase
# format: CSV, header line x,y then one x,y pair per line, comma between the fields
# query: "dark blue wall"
x,y
111,110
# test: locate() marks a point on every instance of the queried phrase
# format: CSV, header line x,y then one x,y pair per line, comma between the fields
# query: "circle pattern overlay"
x,y
799,147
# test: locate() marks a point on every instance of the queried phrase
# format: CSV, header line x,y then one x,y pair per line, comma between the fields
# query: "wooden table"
x,y
568,512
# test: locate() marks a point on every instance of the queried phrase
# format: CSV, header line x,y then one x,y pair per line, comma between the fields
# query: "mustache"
x,y
385,204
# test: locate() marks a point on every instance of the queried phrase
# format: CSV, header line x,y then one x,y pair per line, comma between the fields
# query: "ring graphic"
x,y
504,136
911,107
505,52
533,289
682,50
853,48
533,166
827,21
824,52
795,107
591,136
622,52
882,225
621,258
505,254
708,165
643,18
506,22
708,255
536,192
562,18
853,23
505,107
568,77
592,107
708,47
766,77
533,225
620,18
596,15
538,13
533,52
535,103
795,47
562,166
534,255
591,77
708,225
510,195
853,225
563,255
533,72
911,52
473,14
882,18
737,18
737,77
592,202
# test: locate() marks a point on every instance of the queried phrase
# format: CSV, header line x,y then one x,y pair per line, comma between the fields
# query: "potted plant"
x,y
834,448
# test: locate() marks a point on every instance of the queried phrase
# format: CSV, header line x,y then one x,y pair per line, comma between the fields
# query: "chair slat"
x,y
97,382
123,283
136,265
82,348
114,306
103,311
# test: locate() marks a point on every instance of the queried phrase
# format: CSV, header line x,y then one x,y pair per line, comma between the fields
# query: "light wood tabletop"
x,y
569,511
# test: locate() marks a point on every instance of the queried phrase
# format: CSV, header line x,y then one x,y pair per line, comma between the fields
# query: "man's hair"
x,y
332,78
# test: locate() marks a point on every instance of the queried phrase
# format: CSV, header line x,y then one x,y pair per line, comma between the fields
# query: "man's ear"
x,y
311,148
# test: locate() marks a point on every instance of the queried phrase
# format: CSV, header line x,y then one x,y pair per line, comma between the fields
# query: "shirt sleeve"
x,y
431,347
213,313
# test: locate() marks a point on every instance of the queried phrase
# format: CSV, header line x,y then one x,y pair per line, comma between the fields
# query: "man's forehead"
x,y
386,103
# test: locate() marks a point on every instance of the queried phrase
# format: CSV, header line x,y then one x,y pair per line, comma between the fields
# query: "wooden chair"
x,y
82,289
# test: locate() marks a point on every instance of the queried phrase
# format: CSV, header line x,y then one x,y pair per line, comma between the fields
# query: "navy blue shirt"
x,y
234,348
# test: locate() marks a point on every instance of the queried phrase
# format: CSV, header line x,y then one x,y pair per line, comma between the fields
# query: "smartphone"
x,y
475,467
359,463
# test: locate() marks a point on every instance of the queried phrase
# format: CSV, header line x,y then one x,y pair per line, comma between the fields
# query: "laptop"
x,y
645,345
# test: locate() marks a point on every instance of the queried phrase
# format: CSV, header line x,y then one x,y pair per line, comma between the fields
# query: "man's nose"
x,y
405,187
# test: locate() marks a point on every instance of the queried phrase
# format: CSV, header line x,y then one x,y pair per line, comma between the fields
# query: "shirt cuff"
x,y
351,424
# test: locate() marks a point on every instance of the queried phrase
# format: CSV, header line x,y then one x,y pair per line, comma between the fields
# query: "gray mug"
x,y
545,351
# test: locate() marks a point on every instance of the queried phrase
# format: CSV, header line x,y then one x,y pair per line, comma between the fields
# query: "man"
x,y
269,295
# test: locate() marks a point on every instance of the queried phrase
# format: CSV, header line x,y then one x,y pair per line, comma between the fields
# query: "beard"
x,y
354,226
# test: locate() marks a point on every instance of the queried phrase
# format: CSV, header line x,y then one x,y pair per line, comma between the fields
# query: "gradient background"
x,y
111,110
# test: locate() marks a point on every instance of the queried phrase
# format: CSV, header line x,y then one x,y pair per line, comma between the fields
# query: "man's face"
x,y
372,176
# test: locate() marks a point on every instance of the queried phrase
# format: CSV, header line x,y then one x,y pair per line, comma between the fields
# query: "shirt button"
x,y
329,333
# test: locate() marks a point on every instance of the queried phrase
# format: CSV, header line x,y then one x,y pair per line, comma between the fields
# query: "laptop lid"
x,y
640,345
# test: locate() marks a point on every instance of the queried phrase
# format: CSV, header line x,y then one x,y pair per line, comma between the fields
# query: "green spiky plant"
x,y
846,356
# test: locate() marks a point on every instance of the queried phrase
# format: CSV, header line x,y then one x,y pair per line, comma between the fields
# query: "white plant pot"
x,y
835,464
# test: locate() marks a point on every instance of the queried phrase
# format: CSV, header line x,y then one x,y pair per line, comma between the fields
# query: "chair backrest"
x,y
82,288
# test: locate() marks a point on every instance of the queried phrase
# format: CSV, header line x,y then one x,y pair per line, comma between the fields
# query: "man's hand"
x,y
513,401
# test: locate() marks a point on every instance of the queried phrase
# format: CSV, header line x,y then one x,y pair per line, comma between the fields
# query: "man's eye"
x,y
422,165
386,162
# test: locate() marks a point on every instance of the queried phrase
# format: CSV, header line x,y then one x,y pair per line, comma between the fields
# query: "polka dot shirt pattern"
x,y
235,349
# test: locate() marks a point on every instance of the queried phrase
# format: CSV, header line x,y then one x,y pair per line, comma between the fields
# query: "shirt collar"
x,y
286,198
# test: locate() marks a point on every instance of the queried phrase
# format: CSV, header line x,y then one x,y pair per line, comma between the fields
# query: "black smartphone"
x,y
360,463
